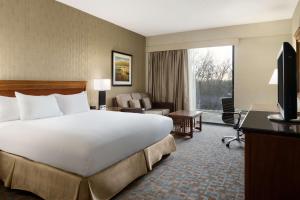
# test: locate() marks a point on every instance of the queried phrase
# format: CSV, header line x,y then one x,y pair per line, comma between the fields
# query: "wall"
x,y
295,21
255,61
295,25
256,49
46,40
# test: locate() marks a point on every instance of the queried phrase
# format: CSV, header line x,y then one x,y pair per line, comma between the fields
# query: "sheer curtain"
x,y
168,79
191,80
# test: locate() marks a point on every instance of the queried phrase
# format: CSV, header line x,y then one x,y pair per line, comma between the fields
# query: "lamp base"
x,y
102,100
102,107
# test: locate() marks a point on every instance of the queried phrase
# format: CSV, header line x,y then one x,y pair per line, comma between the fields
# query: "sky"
x,y
221,53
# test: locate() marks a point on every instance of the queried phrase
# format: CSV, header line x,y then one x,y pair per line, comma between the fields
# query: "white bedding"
x,y
83,143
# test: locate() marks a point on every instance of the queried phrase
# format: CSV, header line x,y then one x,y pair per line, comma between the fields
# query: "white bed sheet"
x,y
83,143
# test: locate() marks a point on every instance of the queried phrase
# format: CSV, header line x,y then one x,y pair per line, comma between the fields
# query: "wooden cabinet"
x,y
272,159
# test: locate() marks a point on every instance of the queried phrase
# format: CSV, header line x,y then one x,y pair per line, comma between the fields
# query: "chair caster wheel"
x,y
223,140
227,145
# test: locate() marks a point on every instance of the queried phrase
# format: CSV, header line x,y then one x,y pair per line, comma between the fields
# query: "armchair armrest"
x,y
166,105
132,110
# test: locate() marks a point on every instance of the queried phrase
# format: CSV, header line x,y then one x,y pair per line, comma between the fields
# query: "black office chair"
x,y
229,116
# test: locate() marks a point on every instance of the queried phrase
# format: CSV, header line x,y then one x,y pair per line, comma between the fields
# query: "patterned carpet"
x,y
201,168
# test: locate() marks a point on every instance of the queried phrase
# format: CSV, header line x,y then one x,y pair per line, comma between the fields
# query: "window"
x,y
212,76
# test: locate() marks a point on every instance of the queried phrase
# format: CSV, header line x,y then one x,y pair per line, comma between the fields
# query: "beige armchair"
x,y
123,101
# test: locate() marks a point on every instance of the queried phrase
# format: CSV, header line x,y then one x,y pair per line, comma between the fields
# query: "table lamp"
x,y
102,85
274,78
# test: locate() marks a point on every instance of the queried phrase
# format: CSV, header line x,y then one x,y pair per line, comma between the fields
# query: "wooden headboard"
x,y
9,87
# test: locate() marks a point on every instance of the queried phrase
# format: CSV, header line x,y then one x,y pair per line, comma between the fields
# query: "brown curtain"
x,y
167,77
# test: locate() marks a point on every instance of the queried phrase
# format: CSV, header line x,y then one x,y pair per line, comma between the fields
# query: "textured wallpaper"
x,y
46,40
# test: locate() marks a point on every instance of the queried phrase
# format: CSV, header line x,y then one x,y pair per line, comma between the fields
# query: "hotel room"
x,y
140,99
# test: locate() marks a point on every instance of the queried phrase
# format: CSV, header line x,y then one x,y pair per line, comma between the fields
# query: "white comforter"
x,y
83,143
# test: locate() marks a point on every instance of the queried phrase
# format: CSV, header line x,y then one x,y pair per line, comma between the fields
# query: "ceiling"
x,y
155,17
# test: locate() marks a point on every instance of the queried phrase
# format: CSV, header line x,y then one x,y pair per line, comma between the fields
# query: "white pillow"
x,y
37,107
74,103
9,110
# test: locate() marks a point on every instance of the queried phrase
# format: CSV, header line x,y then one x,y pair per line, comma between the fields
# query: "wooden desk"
x,y
185,122
272,158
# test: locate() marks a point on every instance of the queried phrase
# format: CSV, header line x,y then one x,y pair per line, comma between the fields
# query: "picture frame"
x,y
121,69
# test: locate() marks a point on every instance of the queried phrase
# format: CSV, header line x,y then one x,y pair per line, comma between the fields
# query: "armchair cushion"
x,y
158,111
147,103
136,95
153,111
123,100
135,103
165,112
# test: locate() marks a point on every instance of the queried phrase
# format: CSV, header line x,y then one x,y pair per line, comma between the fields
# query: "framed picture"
x,y
121,69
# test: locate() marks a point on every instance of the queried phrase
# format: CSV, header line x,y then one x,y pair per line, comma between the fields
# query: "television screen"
x,y
280,80
287,82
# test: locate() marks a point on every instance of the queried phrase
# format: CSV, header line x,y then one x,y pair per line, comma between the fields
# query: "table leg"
x,y
200,122
191,127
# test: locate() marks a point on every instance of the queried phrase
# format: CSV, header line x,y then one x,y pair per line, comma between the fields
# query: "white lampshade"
x,y
274,78
102,84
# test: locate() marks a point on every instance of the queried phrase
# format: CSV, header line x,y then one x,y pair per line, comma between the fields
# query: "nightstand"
x,y
93,107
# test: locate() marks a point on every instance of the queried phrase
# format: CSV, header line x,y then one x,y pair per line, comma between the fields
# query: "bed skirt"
x,y
54,184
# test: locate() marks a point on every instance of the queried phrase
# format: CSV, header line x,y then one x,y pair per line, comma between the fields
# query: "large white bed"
x,y
83,143
88,155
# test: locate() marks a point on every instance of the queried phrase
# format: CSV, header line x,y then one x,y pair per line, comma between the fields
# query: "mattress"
x,y
83,143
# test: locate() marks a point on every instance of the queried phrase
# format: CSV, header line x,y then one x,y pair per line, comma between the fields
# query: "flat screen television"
x,y
287,82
